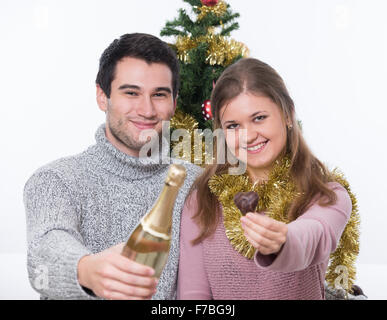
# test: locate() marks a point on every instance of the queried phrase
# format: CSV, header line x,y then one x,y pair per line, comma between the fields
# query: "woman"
x,y
225,255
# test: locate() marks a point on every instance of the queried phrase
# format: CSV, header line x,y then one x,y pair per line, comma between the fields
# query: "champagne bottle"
x,y
150,242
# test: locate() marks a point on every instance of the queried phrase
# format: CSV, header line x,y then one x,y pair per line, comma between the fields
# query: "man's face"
x,y
141,98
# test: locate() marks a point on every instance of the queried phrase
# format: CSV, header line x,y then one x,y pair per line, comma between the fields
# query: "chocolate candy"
x,y
246,201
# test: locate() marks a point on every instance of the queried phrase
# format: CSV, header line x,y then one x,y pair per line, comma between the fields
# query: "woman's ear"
x,y
102,99
289,122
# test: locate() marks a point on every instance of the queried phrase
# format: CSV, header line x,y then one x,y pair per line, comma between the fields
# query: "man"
x,y
81,209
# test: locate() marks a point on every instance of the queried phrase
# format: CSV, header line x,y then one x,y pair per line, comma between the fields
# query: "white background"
x,y
331,54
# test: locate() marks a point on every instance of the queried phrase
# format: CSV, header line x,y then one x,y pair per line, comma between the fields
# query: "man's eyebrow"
x,y
163,89
129,86
132,86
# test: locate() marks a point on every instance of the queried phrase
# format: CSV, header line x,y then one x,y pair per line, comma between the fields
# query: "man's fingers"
x,y
118,248
135,280
130,266
121,296
129,291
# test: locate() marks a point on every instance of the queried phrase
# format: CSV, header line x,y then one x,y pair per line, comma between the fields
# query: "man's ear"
x,y
102,99
175,104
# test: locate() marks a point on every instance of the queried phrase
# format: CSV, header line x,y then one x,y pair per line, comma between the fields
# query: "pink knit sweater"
x,y
214,270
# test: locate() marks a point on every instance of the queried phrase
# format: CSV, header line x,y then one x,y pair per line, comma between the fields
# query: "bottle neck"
x,y
159,220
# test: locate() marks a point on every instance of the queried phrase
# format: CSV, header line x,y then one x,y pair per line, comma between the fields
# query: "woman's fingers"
x,y
275,248
264,232
258,239
266,222
252,242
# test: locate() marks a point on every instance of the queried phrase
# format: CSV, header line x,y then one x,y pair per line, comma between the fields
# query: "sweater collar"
x,y
120,163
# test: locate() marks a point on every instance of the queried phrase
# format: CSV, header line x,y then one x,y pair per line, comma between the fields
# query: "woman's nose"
x,y
251,135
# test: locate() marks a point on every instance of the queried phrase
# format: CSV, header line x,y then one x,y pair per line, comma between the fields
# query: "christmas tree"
x,y
204,50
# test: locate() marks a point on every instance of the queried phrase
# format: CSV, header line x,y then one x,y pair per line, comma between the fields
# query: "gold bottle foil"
x,y
150,242
159,220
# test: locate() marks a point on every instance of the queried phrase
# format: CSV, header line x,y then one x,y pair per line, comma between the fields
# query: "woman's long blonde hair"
x,y
309,174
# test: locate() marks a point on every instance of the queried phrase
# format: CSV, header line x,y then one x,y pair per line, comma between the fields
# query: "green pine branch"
x,y
227,31
194,3
197,76
229,17
183,21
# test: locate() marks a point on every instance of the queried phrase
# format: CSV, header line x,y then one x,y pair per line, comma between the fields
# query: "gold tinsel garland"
x,y
221,50
183,45
219,10
185,121
275,197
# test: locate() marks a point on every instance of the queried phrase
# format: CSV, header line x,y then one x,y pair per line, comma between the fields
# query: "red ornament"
x,y
206,110
210,3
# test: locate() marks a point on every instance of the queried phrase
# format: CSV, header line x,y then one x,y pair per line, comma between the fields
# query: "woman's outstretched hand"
x,y
265,234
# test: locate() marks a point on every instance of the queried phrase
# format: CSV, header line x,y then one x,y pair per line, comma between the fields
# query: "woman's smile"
x,y
257,148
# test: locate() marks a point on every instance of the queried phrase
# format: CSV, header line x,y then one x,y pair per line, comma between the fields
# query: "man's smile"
x,y
142,125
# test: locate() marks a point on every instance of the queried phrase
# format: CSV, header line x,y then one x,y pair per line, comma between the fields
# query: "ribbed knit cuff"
x,y
62,268
74,291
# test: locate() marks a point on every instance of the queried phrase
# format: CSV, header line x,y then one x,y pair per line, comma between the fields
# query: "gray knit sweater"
x,y
87,203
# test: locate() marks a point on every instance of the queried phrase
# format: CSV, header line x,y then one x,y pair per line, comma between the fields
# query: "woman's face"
x,y
265,136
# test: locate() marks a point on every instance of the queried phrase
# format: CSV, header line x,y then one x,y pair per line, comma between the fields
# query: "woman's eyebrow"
x,y
256,113
231,121
252,116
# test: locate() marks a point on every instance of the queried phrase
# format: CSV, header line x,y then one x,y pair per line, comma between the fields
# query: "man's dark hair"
x,y
141,46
